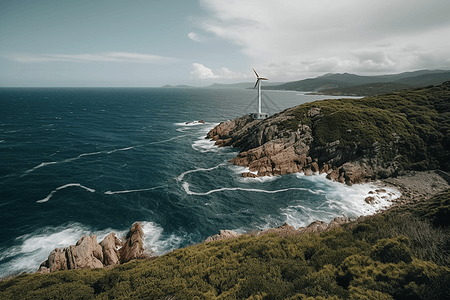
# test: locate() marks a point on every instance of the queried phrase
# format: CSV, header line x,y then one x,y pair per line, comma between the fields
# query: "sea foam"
x,y
63,187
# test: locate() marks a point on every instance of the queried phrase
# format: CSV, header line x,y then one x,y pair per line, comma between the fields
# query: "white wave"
x,y
302,216
205,145
87,154
239,170
122,149
40,166
156,241
33,249
83,155
133,191
192,123
179,178
63,187
189,192
341,199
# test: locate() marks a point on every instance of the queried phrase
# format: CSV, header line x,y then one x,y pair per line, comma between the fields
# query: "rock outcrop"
x,y
88,254
267,147
351,140
133,247
223,235
285,229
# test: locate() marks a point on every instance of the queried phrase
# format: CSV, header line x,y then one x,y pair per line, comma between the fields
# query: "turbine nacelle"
x,y
258,78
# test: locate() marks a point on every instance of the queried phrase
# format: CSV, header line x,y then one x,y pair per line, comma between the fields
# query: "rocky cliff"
x,y
88,254
352,140
267,148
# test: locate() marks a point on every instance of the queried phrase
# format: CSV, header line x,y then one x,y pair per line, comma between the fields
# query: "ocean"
x,y
82,161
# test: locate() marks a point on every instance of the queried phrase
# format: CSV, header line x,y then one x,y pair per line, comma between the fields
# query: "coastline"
x,y
414,186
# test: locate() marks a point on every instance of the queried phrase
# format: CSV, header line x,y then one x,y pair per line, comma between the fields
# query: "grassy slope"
x,y
420,117
400,254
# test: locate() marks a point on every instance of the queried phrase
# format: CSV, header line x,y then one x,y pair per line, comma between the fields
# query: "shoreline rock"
x,y
351,140
268,149
88,254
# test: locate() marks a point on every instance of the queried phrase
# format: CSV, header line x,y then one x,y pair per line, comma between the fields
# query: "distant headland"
x,y
344,84
352,140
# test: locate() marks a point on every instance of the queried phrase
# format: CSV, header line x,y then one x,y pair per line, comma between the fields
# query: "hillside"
x,y
352,140
399,254
350,84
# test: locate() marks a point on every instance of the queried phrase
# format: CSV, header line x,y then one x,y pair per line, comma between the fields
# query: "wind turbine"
x,y
258,83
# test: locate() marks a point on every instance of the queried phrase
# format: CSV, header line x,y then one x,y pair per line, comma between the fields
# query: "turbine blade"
x,y
257,76
262,78
257,80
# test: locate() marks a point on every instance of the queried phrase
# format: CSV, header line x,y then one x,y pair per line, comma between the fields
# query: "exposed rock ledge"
x,y
87,253
285,229
267,148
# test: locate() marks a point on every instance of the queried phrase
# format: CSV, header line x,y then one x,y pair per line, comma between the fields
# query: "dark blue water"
x,y
76,162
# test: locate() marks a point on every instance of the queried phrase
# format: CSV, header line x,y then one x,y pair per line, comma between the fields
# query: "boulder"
x,y
56,261
133,247
110,246
87,253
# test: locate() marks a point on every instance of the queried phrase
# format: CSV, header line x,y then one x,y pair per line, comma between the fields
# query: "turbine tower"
x,y
259,115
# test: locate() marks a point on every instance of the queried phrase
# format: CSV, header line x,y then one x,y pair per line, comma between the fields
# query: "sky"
x,y
149,43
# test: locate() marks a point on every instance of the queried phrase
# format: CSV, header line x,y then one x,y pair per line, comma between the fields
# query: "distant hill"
x,y
369,89
168,86
351,84
241,85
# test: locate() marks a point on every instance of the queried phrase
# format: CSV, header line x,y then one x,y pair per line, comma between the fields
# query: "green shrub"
x,y
392,250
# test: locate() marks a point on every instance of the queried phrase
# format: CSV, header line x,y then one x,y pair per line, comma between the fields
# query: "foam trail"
x,y
123,149
179,178
171,139
133,191
189,192
39,166
88,154
63,187
95,153
192,123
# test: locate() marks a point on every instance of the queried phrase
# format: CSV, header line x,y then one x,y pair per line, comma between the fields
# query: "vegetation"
x,y
369,89
412,126
400,254
351,84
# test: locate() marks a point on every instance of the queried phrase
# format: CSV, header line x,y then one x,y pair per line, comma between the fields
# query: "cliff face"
x,y
352,140
266,149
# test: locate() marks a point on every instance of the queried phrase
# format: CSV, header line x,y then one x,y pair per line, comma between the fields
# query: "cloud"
x,y
202,72
301,36
102,57
195,37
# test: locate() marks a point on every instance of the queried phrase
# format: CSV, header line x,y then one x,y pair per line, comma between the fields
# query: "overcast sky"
x,y
152,43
